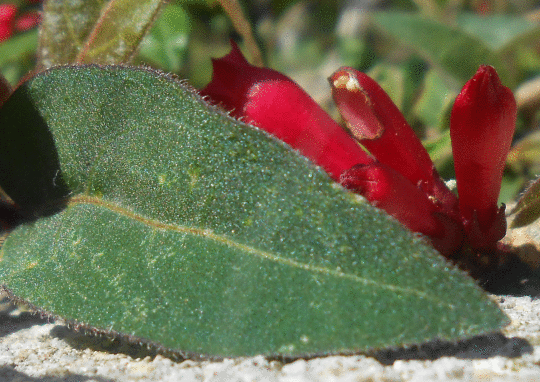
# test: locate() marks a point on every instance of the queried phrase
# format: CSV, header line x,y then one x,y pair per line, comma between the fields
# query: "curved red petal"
x,y
233,78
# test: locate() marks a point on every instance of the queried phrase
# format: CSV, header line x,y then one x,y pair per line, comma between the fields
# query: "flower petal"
x,y
276,104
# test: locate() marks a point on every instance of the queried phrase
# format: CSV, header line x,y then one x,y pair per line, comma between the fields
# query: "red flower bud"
x,y
482,124
27,21
387,189
7,12
7,17
376,122
276,104
5,31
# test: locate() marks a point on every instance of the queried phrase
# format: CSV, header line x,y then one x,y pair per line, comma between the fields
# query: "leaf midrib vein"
x,y
207,233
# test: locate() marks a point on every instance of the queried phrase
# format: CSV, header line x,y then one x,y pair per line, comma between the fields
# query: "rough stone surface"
x,y
33,349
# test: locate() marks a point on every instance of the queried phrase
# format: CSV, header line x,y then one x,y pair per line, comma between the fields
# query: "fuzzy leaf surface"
x,y
93,31
64,29
187,228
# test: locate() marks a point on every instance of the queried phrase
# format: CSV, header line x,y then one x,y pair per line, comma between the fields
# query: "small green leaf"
x,y
17,47
93,31
432,107
187,228
498,31
166,44
527,209
439,148
392,80
119,31
452,50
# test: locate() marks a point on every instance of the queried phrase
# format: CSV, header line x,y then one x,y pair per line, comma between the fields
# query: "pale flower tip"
x,y
345,79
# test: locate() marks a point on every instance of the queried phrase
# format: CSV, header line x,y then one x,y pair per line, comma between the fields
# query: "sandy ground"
x,y
32,349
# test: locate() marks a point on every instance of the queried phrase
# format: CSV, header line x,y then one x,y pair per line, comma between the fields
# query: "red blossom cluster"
x,y
397,175
11,20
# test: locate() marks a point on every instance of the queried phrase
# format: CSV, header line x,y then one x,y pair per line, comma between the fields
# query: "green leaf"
x,y
192,230
498,31
93,31
166,44
432,107
392,79
17,55
64,29
18,47
457,53
527,209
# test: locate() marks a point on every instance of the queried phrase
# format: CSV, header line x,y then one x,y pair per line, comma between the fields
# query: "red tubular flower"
x,y
482,124
7,17
376,122
276,104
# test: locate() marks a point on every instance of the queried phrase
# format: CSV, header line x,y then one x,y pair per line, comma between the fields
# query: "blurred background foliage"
x,y
421,52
